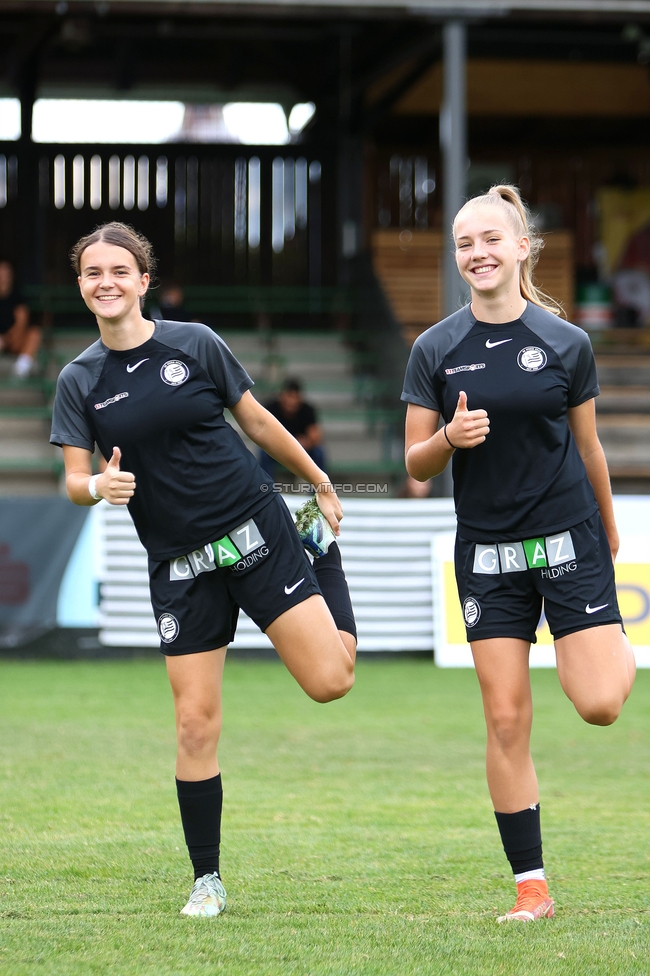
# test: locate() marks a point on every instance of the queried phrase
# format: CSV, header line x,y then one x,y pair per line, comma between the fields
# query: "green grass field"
x,y
358,836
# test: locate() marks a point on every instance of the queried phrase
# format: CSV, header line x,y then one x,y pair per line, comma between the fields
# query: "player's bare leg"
x,y
196,681
320,657
596,668
503,673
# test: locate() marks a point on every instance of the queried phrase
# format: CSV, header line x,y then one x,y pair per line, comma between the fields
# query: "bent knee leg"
x,y
603,711
330,684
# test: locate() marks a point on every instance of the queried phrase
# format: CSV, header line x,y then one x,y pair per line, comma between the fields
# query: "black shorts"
x,y
264,571
502,585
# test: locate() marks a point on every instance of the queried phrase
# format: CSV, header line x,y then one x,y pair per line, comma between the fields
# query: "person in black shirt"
x,y
17,337
170,305
299,418
515,387
152,397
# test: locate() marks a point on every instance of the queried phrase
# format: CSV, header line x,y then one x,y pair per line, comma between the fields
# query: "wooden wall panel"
x,y
538,88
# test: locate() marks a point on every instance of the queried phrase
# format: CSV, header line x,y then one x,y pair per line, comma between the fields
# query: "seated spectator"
x,y
299,418
170,305
17,336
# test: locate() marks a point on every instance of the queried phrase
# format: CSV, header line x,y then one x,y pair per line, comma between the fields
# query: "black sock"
x,y
334,587
200,806
522,839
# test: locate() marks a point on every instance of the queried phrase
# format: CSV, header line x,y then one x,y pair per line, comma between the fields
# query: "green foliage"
x,y
306,515
358,836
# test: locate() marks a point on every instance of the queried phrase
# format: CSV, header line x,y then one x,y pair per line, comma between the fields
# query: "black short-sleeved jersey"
x,y
527,477
162,404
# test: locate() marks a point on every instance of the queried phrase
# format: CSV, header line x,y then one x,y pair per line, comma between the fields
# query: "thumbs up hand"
x,y
116,486
467,428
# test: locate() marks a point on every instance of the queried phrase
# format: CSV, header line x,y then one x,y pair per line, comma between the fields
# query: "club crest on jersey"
x,y
471,611
174,372
531,359
168,627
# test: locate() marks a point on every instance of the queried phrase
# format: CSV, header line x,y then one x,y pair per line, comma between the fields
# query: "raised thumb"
x,y
462,401
115,459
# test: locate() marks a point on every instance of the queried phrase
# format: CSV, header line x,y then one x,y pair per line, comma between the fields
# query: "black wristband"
x,y
452,446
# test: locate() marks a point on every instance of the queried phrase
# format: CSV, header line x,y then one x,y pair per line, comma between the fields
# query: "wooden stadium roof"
x,y
350,8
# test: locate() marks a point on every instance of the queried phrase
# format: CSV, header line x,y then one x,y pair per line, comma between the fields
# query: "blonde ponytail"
x,y
507,198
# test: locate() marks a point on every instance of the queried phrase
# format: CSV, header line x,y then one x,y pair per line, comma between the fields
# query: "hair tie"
x,y
452,446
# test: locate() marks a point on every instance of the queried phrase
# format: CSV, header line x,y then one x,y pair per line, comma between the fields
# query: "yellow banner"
x,y
622,214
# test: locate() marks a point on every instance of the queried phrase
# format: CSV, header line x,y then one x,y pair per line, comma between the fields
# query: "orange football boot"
x,y
533,902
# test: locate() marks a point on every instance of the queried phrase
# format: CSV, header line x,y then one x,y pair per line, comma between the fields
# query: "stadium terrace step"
x,y
24,441
28,393
624,371
20,428
626,442
355,434
25,412
29,465
26,464
21,476
623,400
623,417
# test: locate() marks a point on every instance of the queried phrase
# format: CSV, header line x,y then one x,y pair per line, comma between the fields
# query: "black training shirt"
x,y
527,478
162,404
296,423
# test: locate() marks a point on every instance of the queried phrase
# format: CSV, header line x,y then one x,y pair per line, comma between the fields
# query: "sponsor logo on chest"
x,y
113,399
470,368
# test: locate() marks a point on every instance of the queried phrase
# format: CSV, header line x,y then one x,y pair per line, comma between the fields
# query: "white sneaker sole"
x,y
202,911
524,916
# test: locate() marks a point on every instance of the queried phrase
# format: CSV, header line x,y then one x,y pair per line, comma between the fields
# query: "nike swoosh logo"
x,y
490,345
130,369
589,609
289,589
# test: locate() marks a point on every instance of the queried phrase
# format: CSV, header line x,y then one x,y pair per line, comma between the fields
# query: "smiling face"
x,y
488,251
110,281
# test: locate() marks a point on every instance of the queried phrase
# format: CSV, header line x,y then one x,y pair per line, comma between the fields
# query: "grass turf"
x,y
358,836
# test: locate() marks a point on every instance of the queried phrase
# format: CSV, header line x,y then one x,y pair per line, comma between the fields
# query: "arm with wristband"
x,y
85,488
428,449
